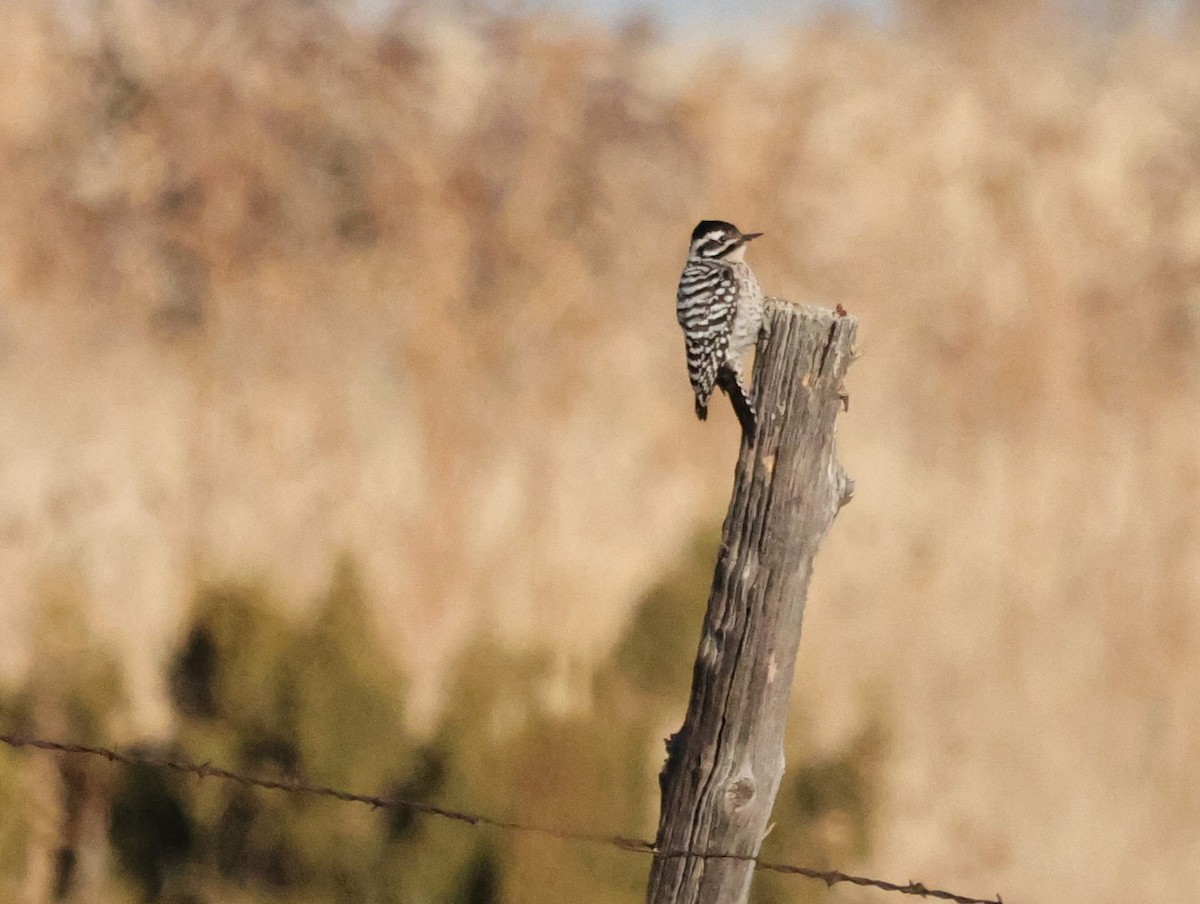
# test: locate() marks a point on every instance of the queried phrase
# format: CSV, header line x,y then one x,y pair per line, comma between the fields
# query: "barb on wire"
x,y
294,785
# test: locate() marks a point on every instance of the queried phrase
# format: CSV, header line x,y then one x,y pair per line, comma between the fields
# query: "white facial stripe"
x,y
714,248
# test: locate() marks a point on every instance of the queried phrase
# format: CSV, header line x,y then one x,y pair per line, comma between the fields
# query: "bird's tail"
x,y
743,405
701,408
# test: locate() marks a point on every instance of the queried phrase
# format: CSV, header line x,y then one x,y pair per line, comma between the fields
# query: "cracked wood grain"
x,y
725,764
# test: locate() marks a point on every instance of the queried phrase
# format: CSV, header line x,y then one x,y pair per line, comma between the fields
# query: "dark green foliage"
x,y
423,785
150,830
523,736
231,837
64,871
73,688
659,647
481,880
595,769
14,812
511,756
274,697
193,675
822,816
838,787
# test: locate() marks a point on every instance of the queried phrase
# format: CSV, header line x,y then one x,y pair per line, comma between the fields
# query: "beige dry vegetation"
x,y
276,289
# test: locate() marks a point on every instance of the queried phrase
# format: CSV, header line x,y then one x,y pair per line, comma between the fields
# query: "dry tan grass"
x,y
274,290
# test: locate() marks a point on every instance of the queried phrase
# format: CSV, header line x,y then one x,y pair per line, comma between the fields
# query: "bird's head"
x,y
721,240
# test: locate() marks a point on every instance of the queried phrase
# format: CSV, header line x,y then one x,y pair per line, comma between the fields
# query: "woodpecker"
x,y
720,307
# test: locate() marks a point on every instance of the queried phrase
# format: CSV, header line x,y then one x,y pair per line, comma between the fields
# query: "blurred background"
x,y
345,432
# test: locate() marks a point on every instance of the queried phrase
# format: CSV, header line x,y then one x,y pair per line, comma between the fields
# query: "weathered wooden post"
x,y
724,766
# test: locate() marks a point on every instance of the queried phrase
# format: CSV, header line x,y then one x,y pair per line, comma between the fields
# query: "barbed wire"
x,y
295,785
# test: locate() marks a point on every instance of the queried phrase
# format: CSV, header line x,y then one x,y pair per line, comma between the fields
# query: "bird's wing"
x,y
705,305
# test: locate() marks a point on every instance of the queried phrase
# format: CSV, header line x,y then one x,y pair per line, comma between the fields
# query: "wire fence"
x,y
294,785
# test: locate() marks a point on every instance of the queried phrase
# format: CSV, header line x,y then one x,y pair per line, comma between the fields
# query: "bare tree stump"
x,y
724,766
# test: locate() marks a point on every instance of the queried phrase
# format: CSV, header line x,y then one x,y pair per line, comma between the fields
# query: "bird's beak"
x,y
747,236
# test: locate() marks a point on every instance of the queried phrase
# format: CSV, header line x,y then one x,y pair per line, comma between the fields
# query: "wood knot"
x,y
738,793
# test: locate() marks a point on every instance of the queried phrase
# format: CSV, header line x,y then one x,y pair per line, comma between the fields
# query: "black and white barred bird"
x,y
720,307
